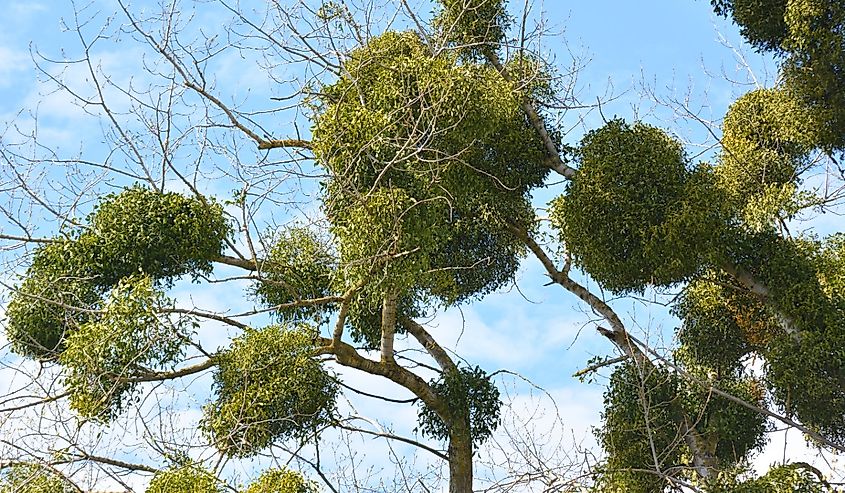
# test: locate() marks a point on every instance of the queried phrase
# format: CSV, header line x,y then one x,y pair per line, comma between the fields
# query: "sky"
x,y
662,61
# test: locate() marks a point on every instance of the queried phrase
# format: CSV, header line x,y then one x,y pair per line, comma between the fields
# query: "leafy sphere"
x,y
281,481
430,160
185,478
469,393
299,266
634,214
269,386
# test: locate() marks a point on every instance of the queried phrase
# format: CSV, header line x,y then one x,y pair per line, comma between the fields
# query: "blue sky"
x,y
656,58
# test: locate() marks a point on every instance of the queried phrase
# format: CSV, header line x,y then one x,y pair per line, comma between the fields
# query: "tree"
x,y
427,143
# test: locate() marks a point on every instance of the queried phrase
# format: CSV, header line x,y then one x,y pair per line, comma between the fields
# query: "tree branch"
x,y
757,287
552,153
702,459
434,349
346,355
277,143
388,327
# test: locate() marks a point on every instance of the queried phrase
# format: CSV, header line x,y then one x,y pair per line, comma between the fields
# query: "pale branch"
x,y
344,311
388,327
624,341
45,400
398,438
277,143
703,460
214,100
112,462
721,393
337,334
189,83
552,152
562,278
758,288
27,239
170,375
431,346
599,365
211,316
346,355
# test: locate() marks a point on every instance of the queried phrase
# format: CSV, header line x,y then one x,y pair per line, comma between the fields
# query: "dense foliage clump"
x,y
469,393
762,23
473,26
431,160
185,478
164,235
51,302
788,478
635,213
767,138
646,425
33,478
298,266
640,433
136,232
281,481
714,315
808,38
269,386
127,337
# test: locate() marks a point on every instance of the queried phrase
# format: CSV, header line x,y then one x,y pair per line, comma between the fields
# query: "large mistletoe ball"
x,y
635,214
430,159
269,386
767,138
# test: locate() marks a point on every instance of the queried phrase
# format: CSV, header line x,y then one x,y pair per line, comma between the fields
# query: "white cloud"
x,y
510,337
12,62
19,10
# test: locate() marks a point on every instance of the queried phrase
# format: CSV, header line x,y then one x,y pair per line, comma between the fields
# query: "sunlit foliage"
x,y
33,478
268,386
636,213
281,481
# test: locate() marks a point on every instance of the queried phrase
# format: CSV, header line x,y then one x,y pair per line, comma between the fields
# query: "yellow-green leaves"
x,y
788,478
473,25
644,425
299,266
761,21
767,138
138,231
164,235
815,67
808,37
52,301
639,417
128,337
281,481
634,214
430,160
469,392
269,386
185,478
33,478
721,325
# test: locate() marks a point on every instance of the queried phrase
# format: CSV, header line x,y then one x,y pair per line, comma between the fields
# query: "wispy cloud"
x,y
12,62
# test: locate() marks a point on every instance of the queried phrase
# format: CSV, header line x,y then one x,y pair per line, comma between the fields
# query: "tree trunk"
x,y
460,457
